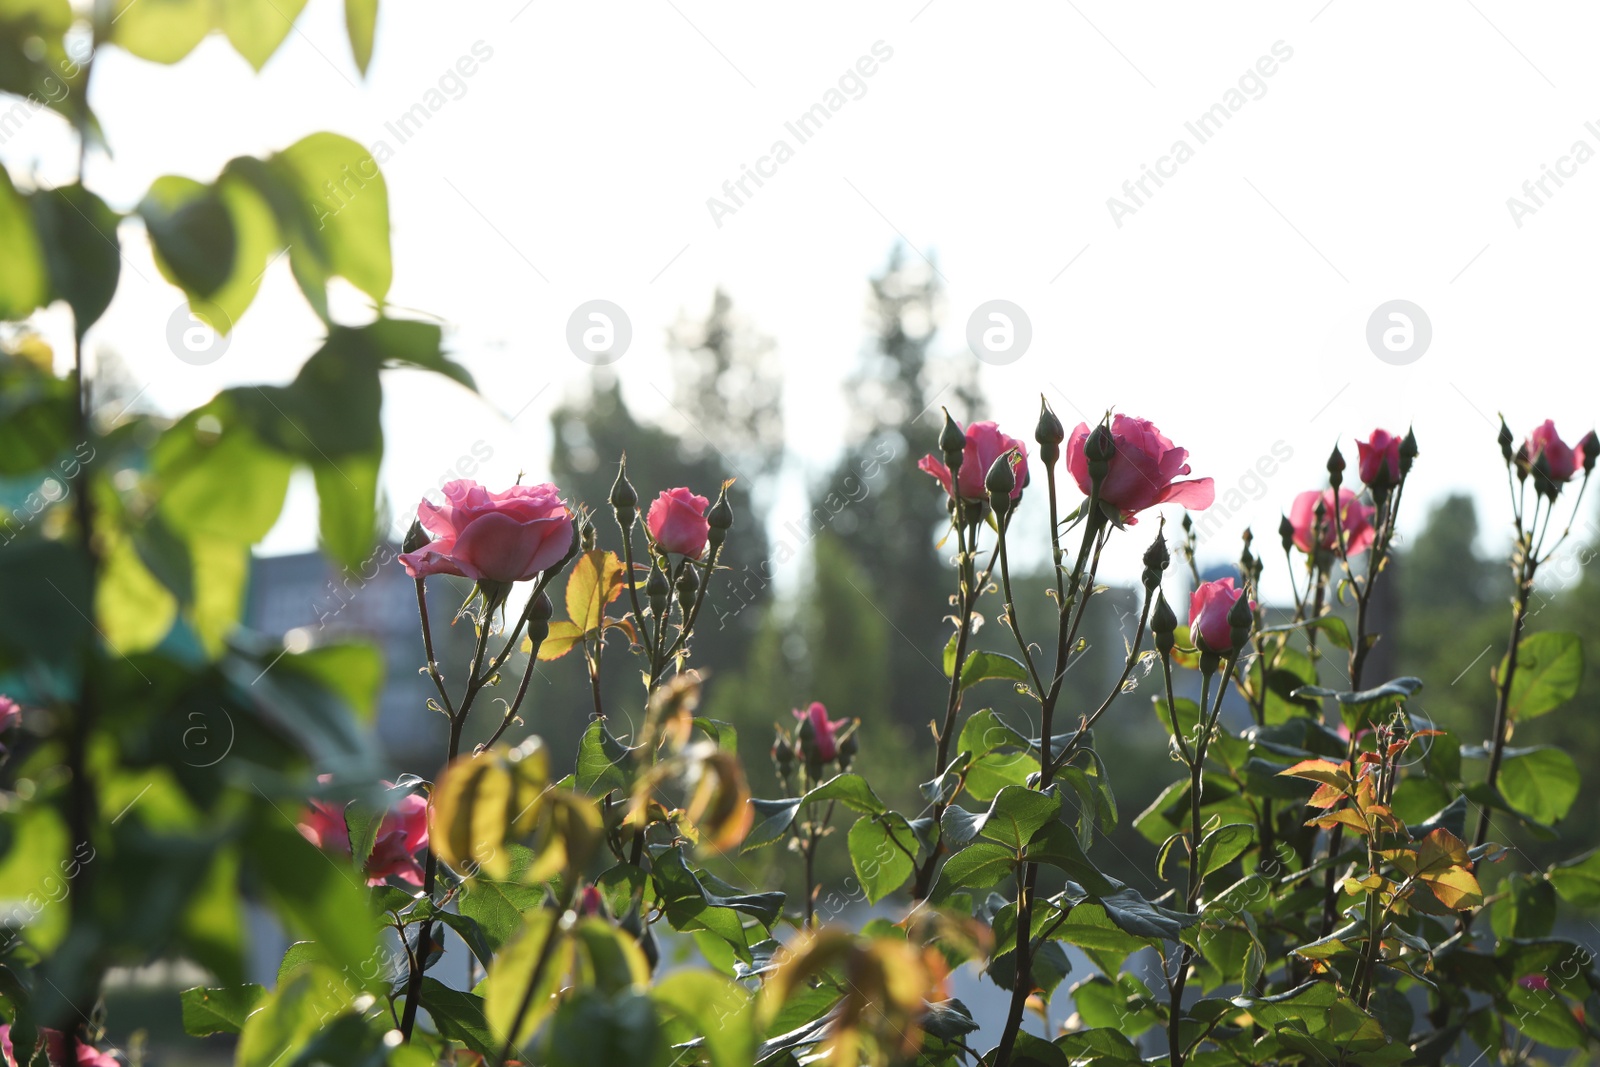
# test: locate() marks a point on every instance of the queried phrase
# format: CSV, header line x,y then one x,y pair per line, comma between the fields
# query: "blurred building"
x,y
307,598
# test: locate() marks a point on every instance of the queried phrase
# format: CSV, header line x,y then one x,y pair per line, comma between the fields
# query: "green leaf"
x,y
1011,820
1224,845
1540,783
498,907
851,790
289,1019
772,819
256,28
1549,672
1542,1015
341,222
1578,881
347,511
1188,713
975,867
317,896
458,1016
351,669
193,235
507,982
880,852
164,31
78,233
993,771
602,761
1528,909
986,666
361,23
714,1009
218,1010
24,276
218,478
591,1028
985,731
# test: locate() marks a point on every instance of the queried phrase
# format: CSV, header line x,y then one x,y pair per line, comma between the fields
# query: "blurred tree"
x,y
728,391
881,509
1448,595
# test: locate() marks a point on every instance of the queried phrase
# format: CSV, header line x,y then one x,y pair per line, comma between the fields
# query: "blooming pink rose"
x,y
402,833
1209,605
1379,458
55,1044
824,734
985,444
1143,469
1354,519
677,522
1560,460
496,537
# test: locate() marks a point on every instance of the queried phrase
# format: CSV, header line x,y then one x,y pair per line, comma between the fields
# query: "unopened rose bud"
x,y
1164,624
1408,452
1521,460
719,519
1156,558
1336,468
782,754
657,588
1505,440
848,747
624,499
1049,433
1240,621
688,585
586,535
1098,450
1286,533
539,611
1000,481
416,538
1590,445
953,443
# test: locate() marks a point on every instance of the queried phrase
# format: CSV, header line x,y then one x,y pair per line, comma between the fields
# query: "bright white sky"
x,y
1231,309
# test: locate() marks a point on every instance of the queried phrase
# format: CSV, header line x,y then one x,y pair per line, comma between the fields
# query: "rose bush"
x,y
1331,876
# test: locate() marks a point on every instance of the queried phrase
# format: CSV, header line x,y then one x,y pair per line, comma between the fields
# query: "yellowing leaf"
x,y
561,639
596,581
480,802
1456,888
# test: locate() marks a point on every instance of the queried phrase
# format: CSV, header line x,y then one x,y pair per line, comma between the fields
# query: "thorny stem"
x,y
1192,897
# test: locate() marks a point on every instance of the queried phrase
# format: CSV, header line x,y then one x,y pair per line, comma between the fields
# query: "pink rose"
x,y
677,522
1354,519
590,903
824,734
402,833
55,1044
1143,469
1560,461
496,537
985,444
1379,458
1209,605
